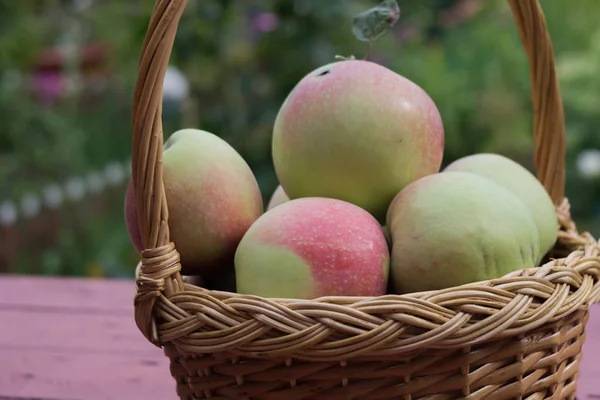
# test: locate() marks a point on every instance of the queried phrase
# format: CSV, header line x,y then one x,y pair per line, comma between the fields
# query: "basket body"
x,y
517,337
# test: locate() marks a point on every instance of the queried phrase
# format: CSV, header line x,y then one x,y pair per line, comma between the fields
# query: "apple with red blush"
x,y
312,247
356,131
213,199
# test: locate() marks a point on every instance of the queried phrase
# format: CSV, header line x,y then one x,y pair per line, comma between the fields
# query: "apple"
x,y
356,131
520,182
278,197
313,247
213,198
454,228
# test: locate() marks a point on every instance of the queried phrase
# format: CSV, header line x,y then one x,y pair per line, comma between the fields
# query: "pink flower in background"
x,y
407,32
265,22
48,85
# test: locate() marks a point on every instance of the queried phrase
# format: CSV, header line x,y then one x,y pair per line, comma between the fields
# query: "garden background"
x,y
67,70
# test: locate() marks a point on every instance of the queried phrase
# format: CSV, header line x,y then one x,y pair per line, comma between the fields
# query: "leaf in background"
x,y
370,25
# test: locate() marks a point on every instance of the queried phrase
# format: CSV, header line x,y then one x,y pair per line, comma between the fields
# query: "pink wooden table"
x,y
75,339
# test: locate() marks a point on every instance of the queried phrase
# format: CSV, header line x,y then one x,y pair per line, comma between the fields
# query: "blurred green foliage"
x,y
241,59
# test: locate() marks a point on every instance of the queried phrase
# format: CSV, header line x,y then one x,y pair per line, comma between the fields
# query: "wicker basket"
x,y
518,337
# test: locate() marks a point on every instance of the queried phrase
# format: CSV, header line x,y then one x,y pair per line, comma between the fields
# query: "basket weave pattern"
x,y
511,338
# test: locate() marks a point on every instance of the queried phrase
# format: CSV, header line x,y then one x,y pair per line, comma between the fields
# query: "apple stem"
x,y
370,46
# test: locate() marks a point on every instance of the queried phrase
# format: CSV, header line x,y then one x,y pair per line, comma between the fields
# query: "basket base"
x,y
544,364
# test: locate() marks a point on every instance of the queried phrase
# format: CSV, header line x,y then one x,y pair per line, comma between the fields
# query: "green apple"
x,y
520,182
455,228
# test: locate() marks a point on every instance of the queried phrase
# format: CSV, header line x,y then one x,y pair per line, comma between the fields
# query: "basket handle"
x,y
158,274
548,113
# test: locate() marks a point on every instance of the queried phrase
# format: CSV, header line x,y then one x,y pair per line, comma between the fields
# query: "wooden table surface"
x,y
75,339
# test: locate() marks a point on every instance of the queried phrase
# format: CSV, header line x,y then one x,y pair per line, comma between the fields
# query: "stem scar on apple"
x,y
372,24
